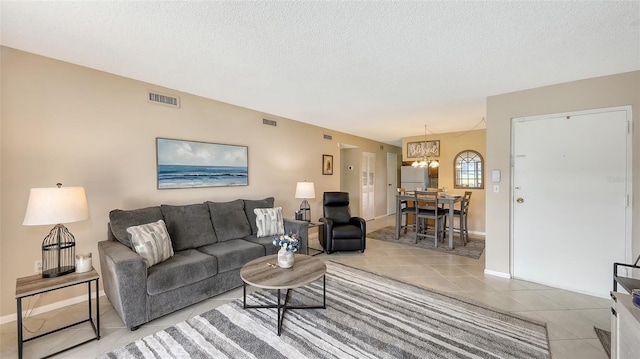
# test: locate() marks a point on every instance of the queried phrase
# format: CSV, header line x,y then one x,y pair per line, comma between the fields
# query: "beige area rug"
x,y
473,248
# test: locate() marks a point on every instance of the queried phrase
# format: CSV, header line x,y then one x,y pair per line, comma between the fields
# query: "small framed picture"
x,y
327,164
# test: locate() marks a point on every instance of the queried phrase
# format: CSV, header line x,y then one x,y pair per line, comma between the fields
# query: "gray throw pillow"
x,y
189,226
229,220
120,220
250,205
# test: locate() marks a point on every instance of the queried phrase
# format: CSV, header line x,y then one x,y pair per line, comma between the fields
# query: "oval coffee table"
x,y
262,273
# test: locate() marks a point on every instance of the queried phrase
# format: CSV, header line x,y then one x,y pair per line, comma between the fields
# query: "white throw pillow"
x,y
269,221
151,241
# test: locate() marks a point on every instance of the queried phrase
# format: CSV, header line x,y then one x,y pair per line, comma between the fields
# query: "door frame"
x,y
629,183
392,167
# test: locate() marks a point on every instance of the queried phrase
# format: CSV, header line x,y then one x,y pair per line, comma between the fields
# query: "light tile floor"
x,y
570,316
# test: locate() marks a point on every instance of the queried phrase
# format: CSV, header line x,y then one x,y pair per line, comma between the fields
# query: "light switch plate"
x,y
496,188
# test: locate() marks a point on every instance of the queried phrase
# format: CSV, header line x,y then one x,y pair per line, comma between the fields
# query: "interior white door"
x,y
392,182
368,185
571,218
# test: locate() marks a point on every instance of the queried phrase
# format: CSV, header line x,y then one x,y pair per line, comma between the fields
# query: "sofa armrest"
x,y
124,278
301,228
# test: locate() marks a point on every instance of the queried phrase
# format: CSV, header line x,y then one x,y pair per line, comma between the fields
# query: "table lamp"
x,y
57,205
305,190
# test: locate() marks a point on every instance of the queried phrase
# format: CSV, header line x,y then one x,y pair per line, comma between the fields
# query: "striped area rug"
x,y
367,316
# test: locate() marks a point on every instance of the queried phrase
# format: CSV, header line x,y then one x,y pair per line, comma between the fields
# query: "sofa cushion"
x,y
189,226
120,220
234,253
250,205
185,267
266,242
229,220
151,241
269,221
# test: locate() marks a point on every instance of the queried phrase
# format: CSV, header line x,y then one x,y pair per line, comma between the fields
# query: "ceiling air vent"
x,y
269,122
163,99
328,137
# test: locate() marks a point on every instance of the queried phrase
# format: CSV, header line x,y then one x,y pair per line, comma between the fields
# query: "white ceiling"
x,y
380,70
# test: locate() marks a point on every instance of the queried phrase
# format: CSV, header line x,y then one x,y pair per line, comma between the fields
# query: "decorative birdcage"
x,y
58,252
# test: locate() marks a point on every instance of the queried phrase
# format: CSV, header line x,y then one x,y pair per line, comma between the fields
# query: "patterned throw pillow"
x,y
151,241
269,221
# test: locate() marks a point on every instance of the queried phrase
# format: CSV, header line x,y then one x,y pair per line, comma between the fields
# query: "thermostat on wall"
x,y
495,175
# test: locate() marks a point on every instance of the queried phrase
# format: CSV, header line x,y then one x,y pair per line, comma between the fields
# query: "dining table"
x,y
446,200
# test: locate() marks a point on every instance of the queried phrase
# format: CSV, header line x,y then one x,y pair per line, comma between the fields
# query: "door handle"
x,y
519,200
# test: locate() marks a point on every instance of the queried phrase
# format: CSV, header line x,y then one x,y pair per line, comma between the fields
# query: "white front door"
x,y
392,182
368,185
570,212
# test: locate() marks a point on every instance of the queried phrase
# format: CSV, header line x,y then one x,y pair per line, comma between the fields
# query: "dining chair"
x,y
427,208
407,208
462,214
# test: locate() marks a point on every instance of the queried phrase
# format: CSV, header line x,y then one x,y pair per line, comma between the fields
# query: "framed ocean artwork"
x,y
192,164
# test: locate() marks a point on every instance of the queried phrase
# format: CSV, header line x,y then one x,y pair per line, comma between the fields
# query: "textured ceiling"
x,y
380,70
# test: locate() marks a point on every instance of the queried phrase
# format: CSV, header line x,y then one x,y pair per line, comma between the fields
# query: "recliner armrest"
x,y
357,221
324,232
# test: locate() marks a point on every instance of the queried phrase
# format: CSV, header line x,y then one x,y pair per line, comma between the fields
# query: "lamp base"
x,y
305,209
57,272
58,253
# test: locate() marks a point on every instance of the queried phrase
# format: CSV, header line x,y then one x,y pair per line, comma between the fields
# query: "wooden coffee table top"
x,y
305,270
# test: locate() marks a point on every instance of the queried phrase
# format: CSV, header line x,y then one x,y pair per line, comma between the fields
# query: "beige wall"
x,y
608,91
451,144
65,123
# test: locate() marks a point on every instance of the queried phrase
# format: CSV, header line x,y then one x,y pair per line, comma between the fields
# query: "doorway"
x,y
368,185
570,194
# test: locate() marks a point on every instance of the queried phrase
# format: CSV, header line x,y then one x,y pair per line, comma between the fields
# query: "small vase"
x,y
285,259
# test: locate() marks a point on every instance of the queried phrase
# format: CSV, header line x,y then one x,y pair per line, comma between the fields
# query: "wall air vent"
x,y
269,122
328,137
163,99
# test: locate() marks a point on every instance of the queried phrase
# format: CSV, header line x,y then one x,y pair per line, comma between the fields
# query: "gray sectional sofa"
x,y
211,242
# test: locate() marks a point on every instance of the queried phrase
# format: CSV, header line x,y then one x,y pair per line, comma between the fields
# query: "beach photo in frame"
x,y
192,164
327,164
423,148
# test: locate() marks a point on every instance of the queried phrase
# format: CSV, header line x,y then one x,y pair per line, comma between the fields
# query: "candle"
x,y
83,262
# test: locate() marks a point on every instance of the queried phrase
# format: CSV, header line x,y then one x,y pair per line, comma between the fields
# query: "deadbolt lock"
x,y
519,200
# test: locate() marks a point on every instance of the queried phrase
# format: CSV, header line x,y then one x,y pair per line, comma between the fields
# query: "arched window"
x,y
468,170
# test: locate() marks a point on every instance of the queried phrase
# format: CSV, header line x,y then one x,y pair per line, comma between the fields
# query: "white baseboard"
x,y
497,274
49,307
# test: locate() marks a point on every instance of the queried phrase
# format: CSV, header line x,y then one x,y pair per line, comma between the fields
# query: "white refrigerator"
x,y
413,177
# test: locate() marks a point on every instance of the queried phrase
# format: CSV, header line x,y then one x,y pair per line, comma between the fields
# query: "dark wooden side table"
x,y
35,284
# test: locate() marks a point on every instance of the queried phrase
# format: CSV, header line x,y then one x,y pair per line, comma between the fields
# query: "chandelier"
x,y
426,160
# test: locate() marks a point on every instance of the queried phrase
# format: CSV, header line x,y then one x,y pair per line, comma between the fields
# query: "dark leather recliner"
x,y
339,231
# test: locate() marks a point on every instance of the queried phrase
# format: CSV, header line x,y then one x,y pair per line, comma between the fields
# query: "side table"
x,y
35,284
320,251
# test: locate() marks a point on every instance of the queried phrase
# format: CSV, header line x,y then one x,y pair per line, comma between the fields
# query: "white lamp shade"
x,y
53,205
305,190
